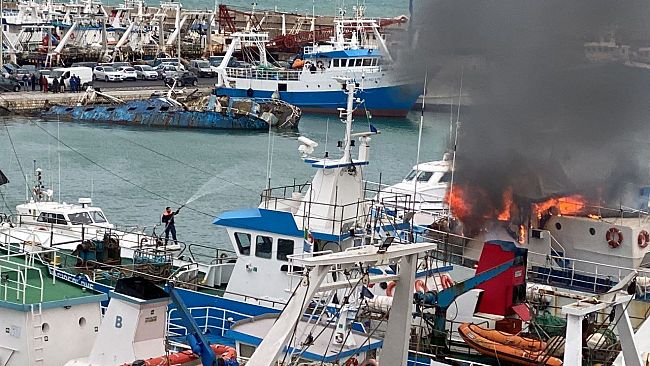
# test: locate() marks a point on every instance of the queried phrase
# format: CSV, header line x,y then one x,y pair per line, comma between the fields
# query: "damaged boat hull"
x,y
160,112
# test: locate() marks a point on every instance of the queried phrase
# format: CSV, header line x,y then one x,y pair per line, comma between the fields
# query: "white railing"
x,y
19,265
208,319
262,74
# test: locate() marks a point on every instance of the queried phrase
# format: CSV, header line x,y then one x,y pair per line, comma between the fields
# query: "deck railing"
x,y
209,318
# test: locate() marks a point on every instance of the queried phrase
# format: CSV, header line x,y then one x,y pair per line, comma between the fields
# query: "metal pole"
x,y
178,33
2,28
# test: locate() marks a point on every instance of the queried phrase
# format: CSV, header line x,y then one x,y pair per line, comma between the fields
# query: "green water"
x,y
238,159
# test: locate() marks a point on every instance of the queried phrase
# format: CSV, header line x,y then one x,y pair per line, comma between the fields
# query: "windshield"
x,y
411,175
56,73
80,218
203,64
108,69
98,217
146,68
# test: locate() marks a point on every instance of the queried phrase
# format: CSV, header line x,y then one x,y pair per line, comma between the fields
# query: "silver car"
x,y
145,72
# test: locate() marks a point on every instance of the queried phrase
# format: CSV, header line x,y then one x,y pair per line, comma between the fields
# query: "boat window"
x,y
336,62
80,218
367,62
424,176
263,246
243,243
285,248
411,175
375,62
51,218
97,216
446,178
358,62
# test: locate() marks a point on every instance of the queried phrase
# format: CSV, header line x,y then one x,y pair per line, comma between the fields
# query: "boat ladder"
x,y
39,337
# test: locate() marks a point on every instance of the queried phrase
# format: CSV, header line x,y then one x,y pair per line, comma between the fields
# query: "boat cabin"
x,y
63,214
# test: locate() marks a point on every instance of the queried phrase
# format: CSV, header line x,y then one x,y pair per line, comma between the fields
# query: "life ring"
x,y
643,239
614,237
389,289
420,286
446,281
352,361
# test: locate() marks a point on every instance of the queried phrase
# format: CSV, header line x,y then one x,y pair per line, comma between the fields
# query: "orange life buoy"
x,y
446,281
352,361
389,289
420,286
614,237
643,239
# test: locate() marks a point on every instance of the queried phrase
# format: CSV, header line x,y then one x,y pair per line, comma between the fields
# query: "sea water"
x,y
117,165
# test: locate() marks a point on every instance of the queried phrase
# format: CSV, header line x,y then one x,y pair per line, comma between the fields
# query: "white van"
x,y
85,75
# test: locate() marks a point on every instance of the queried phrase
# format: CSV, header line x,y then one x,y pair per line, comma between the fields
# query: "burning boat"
x,y
211,112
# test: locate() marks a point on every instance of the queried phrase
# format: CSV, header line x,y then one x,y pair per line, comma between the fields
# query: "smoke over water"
x,y
544,122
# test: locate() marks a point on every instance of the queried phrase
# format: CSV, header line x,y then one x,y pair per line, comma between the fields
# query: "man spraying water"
x,y
168,219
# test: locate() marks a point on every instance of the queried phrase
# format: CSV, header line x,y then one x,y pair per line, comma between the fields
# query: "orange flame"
x,y
458,205
507,206
522,234
569,205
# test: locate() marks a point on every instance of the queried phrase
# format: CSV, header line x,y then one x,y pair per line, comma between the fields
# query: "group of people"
x,y
57,85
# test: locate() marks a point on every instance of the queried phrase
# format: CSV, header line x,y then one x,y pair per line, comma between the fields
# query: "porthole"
x,y
45,328
82,322
592,231
558,226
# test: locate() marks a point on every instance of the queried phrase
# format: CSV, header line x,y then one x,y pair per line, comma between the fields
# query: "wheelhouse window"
x,y
367,62
98,217
336,62
285,248
51,218
424,176
411,175
263,246
243,243
80,218
358,62
446,178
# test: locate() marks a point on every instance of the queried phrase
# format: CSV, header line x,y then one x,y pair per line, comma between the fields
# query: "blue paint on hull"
x,y
395,101
156,113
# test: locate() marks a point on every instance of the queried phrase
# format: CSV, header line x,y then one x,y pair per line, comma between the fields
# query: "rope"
x,y
13,147
117,175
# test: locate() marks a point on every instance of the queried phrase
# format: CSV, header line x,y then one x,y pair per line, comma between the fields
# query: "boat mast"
x,y
350,89
417,157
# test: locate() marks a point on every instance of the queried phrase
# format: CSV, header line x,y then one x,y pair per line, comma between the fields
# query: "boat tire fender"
x,y
614,237
644,239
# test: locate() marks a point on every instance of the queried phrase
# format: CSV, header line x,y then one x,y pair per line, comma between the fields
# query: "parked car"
x,y
9,84
164,70
128,73
145,72
182,78
215,61
202,68
106,73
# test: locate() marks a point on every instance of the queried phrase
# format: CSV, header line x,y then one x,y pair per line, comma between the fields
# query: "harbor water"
x,y
133,173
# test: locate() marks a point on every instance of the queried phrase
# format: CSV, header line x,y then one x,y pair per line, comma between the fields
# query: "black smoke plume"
x,y
543,121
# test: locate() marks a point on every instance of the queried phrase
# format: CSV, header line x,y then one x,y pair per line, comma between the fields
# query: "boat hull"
x,y
387,101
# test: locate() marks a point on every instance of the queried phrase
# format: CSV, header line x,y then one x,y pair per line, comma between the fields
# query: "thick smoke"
x,y
544,121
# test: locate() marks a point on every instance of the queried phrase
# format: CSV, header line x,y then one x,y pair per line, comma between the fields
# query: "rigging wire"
x,y
117,175
186,164
13,147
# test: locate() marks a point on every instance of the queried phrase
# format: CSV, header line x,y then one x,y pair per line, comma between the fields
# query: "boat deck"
x,y
24,282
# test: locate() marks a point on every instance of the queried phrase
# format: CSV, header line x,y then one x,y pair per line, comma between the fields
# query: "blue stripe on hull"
x,y
382,101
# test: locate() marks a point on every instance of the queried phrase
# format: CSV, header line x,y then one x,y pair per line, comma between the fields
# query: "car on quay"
x,y
145,72
9,84
182,78
128,73
202,68
106,73
165,70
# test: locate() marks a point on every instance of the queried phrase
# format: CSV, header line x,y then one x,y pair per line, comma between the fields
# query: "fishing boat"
x,y
357,51
166,111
